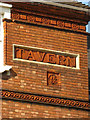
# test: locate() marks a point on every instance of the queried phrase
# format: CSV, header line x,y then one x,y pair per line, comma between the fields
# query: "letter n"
x,y
73,62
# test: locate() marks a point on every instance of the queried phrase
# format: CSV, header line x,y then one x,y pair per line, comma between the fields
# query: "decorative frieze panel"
x,y
48,21
50,100
45,56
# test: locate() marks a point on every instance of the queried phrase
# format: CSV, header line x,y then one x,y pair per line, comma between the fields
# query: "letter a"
x,y
30,56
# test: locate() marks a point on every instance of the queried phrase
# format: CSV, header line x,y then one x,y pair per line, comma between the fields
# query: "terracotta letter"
x,y
73,62
51,58
40,56
18,53
30,56
67,61
25,54
62,60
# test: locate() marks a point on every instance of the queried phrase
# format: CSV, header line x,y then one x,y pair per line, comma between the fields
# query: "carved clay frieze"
x,y
48,21
38,55
11,95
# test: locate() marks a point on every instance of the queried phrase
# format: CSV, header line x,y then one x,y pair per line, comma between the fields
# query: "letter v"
x,y
41,56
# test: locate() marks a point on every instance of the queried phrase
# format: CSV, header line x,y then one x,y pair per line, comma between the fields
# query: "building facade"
x,y
45,64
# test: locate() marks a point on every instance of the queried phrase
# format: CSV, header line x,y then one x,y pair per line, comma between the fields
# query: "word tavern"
x,y
44,56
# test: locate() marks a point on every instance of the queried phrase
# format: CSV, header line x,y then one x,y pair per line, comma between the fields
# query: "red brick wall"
x,y
32,77
27,110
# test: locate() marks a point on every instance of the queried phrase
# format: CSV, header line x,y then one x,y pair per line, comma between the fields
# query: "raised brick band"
x,y
44,99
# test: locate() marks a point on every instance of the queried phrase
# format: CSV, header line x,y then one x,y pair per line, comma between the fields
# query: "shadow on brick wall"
x,y
6,76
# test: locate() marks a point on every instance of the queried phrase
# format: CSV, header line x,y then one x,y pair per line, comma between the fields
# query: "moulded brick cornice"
x,y
46,25
49,9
